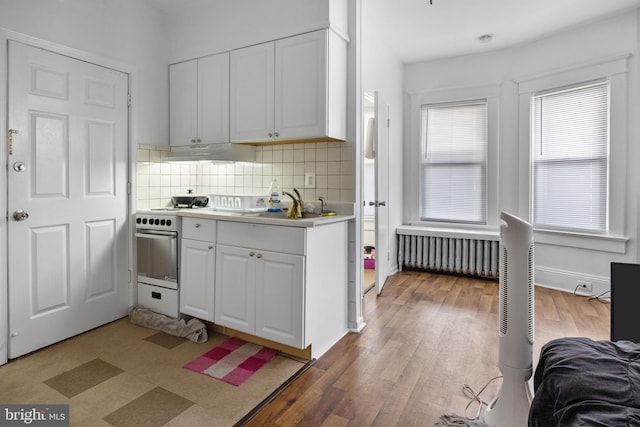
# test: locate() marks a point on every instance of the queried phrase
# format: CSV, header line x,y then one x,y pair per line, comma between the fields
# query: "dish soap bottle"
x,y
274,197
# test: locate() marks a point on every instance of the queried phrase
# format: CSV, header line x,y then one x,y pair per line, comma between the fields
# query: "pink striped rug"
x,y
232,361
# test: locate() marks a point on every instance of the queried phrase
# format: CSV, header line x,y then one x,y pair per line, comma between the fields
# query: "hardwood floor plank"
x,y
426,336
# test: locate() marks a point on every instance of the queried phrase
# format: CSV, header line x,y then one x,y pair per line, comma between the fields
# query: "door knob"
x,y
382,204
20,215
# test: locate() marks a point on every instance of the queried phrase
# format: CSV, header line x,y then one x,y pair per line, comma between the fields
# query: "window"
x,y
454,162
570,143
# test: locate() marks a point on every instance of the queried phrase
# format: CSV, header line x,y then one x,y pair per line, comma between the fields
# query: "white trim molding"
x,y
567,281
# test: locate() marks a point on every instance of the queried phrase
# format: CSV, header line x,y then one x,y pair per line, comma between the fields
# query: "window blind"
x,y
570,135
454,162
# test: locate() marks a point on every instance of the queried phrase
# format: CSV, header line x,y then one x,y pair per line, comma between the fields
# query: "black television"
x,y
625,302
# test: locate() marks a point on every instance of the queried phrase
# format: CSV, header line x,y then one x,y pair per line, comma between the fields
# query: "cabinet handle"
x,y
209,247
259,256
197,225
193,140
252,253
277,134
270,135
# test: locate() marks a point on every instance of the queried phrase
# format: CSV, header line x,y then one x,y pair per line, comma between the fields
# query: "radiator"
x,y
475,255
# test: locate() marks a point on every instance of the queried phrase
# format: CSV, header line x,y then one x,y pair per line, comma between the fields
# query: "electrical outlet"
x,y
309,180
585,286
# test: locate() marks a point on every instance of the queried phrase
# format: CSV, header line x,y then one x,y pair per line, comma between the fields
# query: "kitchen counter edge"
x,y
255,219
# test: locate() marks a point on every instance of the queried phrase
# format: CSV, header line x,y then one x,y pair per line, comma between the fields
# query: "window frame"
x,y
412,190
423,154
602,159
614,70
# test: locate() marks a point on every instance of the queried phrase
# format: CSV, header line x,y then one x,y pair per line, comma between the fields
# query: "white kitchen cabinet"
x,y
199,101
235,283
197,268
252,93
280,297
293,89
258,291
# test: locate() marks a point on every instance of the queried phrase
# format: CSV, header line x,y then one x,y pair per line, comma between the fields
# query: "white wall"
x,y
382,71
123,32
210,26
558,264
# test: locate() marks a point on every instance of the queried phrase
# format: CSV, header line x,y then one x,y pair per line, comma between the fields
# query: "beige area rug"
x,y
125,375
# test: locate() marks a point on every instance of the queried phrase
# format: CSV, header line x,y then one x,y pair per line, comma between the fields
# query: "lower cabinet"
x,y
261,293
197,269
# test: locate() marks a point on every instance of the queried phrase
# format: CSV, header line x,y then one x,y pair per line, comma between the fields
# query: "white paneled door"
x,y
382,192
67,197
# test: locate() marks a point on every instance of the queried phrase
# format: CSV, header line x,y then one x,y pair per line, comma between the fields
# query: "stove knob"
x,y
157,221
168,223
162,222
144,220
138,220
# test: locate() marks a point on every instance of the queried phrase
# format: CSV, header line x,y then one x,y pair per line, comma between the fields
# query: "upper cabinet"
x,y
199,101
293,89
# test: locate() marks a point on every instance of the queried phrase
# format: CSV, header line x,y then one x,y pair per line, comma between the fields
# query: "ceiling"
x,y
416,30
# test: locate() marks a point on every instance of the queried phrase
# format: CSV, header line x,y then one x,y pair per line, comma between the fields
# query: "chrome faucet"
x,y
296,204
295,190
323,202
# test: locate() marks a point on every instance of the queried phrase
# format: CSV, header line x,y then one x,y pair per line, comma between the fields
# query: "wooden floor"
x,y
426,336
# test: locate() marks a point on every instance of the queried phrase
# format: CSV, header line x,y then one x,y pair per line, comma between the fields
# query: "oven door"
x,y
158,258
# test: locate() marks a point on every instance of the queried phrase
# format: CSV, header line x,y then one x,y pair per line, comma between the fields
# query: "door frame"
x,y
5,36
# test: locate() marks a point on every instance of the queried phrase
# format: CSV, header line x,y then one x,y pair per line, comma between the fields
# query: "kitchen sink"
x,y
283,215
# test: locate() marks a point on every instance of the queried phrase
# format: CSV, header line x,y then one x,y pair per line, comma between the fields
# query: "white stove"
x,y
158,260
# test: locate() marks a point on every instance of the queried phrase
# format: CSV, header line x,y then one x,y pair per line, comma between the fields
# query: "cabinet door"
x,y
197,266
213,99
280,298
235,287
301,86
251,91
183,96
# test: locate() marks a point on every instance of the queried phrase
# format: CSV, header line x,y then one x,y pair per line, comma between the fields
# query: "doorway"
x,y
375,191
369,192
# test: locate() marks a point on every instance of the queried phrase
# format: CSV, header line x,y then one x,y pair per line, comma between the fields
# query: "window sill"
x,y
596,242
417,228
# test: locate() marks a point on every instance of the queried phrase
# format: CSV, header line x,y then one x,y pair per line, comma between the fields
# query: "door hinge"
x,y
130,275
129,188
128,100
389,123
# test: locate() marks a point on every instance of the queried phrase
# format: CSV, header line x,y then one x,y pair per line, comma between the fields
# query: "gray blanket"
x,y
194,330
580,382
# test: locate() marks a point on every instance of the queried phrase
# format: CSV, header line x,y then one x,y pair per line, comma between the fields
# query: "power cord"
x,y
599,297
475,397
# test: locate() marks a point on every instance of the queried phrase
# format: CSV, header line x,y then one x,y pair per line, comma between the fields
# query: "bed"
x,y
581,382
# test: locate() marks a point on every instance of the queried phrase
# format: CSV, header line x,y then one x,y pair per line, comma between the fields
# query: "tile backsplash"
x,y
331,162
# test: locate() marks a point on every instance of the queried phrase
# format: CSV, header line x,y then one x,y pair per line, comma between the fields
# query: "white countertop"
x,y
275,218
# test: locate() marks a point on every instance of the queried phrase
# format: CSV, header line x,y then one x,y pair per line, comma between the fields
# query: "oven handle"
x,y
157,236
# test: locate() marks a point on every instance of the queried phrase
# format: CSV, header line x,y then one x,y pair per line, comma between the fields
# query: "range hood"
x,y
213,152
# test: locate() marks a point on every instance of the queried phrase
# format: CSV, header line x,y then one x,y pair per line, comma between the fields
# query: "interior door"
x,y
67,197
381,151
